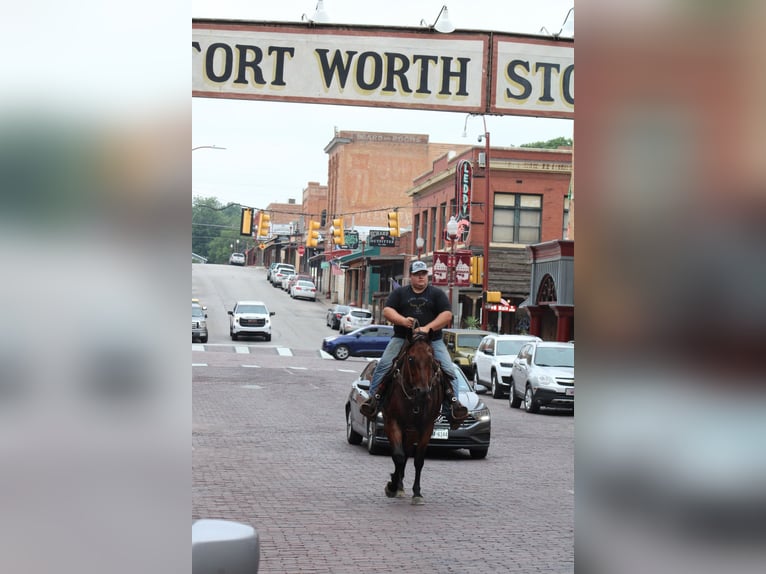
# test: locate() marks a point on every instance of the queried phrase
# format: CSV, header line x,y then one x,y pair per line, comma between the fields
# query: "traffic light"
x,y
393,223
246,222
338,233
264,223
493,296
312,236
477,269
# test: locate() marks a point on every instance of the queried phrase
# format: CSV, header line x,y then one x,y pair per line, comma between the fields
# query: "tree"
x,y
550,144
214,228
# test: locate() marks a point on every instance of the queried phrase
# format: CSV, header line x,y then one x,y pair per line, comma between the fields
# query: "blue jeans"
x,y
392,351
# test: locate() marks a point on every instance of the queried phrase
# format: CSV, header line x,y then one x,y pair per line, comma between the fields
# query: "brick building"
x,y
528,205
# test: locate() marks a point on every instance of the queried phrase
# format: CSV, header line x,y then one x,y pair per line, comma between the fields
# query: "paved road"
x,y
270,450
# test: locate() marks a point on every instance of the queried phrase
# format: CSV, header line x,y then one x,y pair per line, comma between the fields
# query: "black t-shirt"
x,y
424,307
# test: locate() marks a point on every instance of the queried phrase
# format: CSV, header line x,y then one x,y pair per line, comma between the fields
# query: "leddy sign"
x,y
375,66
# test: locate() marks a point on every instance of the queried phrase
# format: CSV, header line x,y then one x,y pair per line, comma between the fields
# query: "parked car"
x,y
196,301
286,281
353,319
237,259
543,375
199,323
493,361
304,290
269,270
279,272
298,277
473,434
334,314
462,345
368,341
250,318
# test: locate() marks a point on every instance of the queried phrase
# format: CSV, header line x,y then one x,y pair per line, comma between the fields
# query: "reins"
x,y
411,396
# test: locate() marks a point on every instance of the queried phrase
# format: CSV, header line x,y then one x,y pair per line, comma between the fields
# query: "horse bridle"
x,y
435,377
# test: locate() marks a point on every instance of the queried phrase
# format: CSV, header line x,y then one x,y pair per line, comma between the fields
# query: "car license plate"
x,y
440,433
570,392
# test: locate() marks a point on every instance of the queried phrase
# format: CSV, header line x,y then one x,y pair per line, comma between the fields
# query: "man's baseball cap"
x,y
418,266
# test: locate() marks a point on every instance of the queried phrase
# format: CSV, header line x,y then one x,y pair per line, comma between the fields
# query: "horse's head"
x,y
420,369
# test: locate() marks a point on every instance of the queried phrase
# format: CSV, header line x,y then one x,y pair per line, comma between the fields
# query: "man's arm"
x,y
442,320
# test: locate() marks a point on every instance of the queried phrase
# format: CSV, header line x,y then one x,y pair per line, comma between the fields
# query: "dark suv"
x,y
334,314
462,344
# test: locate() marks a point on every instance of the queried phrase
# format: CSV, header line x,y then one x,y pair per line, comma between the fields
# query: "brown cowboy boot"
x,y
459,413
369,408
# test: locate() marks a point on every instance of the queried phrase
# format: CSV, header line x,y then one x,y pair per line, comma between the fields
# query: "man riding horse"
x,y
426,309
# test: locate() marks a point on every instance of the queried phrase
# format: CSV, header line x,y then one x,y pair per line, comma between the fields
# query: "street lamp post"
x,y
207,147
488,216
452,229
419,244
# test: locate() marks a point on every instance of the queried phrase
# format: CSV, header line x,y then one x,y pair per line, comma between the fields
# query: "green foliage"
x,y
550,144
214,228
471,322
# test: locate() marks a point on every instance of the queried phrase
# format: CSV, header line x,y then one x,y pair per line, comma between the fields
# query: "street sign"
x,y
351,239
380,238
261,246
301,250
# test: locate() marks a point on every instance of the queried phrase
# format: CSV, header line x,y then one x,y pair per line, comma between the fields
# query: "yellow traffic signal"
x,y
264,223
493,296
393,224
312,236
477,269
246,222
338,233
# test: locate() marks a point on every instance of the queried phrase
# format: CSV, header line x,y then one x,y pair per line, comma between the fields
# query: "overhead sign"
x,y
386,67
380,238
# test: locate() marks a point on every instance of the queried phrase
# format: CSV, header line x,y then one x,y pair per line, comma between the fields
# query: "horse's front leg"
x,y
420,457
395,487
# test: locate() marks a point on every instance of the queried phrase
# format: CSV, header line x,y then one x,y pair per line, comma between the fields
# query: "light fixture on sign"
x,y
319,17
442,24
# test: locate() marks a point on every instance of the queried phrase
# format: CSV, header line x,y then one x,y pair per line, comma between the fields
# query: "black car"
x,y
473,433
334,314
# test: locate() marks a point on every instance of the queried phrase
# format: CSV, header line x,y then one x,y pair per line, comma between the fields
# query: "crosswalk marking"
x,y
284,351
198,347
251,366
199,364
243,350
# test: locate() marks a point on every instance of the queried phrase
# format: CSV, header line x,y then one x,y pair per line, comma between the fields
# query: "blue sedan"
x,y
367,341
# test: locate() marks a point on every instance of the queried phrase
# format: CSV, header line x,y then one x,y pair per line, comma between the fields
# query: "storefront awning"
x,y
328,255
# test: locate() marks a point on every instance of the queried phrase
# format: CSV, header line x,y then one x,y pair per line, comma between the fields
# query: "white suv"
x,y
543,375
494,358
250,318
354,319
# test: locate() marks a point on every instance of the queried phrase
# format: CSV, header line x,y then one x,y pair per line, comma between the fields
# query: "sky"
x,y
273,149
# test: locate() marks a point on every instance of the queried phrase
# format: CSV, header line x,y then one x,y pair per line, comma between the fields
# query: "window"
x,y
433,226
517,218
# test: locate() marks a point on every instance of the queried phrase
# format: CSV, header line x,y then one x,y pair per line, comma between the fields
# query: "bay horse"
x,y
410,410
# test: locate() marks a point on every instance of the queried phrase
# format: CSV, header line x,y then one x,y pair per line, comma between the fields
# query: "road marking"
x,y
346,371
251,387
198,347
243,350
298,368
285,352
325,355
199,364
251,366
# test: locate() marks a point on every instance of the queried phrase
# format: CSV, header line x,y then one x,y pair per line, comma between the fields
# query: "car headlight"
x,y
202,324
481,414
545,380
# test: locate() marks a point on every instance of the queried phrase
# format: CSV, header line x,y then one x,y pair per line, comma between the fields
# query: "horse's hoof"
x,y
418,500
400,494
390,493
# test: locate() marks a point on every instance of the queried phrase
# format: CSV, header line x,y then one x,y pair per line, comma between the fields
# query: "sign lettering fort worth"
x,y
376,66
